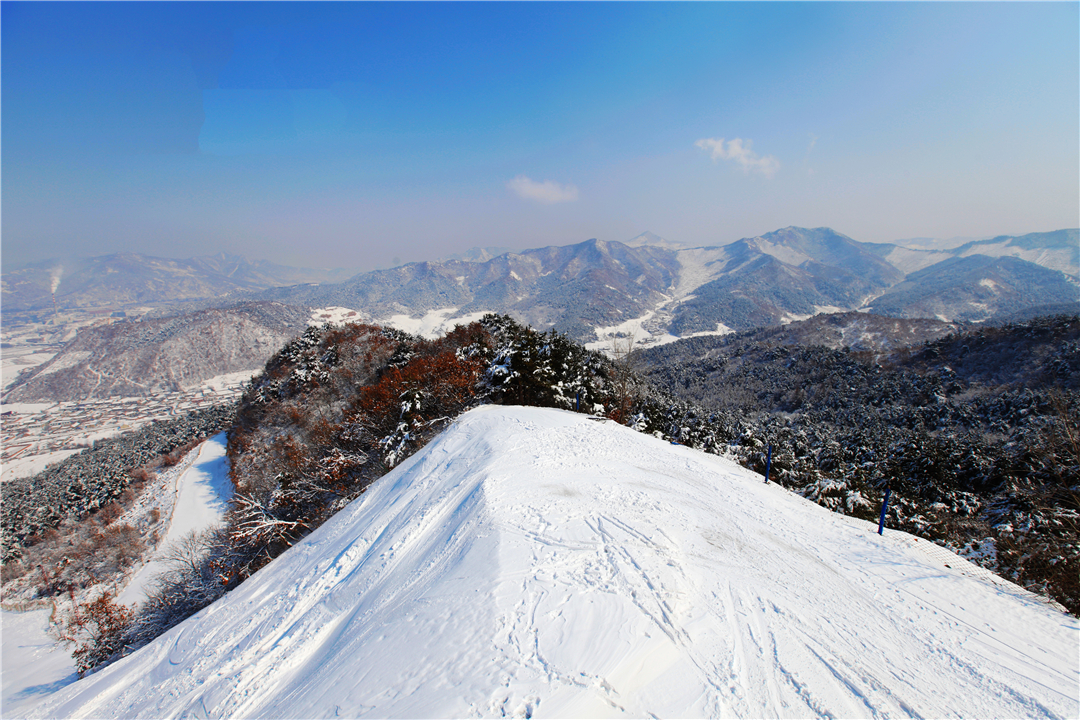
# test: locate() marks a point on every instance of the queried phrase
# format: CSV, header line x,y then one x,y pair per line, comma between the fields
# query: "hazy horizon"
x,y
921,243
353,134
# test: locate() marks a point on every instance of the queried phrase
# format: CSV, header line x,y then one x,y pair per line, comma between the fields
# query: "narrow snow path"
x,y
537,564
202,495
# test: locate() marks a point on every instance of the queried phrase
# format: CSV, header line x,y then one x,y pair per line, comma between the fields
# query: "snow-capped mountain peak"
x,y
651,239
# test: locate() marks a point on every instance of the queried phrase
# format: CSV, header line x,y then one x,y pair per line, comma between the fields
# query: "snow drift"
x,y
539,563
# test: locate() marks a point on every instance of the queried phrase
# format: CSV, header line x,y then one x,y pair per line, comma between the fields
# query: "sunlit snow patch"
x,y
334,315
432,324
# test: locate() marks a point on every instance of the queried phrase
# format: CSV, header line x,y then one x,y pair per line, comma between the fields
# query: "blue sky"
x,y
353,134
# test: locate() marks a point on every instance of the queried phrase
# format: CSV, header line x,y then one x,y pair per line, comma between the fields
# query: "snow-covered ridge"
x,y
430,325
1061,259
540,563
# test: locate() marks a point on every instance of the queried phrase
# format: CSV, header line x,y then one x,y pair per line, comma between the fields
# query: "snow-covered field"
x,y
16,359
33,464
431,325
539,563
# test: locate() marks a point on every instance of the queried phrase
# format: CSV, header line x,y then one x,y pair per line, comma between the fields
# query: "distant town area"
x,y
34,435
33,429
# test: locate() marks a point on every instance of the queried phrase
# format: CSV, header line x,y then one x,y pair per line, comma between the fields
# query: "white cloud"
x,y
740,151
546,192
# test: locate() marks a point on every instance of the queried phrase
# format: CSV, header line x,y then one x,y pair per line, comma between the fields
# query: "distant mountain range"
x,y
786,275
575,287
123,280
649,288
977,288
789,274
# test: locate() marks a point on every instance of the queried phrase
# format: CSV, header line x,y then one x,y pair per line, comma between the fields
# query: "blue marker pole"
x,y
768,464
884,507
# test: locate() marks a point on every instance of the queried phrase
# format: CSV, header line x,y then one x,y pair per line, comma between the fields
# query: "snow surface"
x,y
33,464
34,666
535,562
431,325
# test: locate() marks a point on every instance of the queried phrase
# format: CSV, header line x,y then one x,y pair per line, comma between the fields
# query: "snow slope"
x,y
538,563
34,665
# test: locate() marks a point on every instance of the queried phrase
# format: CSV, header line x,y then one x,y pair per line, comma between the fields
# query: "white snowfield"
x,y
536,563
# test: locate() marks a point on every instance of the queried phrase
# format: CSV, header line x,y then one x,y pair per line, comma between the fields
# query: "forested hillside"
x,y
147,357
990,468
976,433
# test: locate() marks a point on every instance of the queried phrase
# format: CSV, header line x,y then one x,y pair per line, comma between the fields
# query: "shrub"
x,y
191,582
96,629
